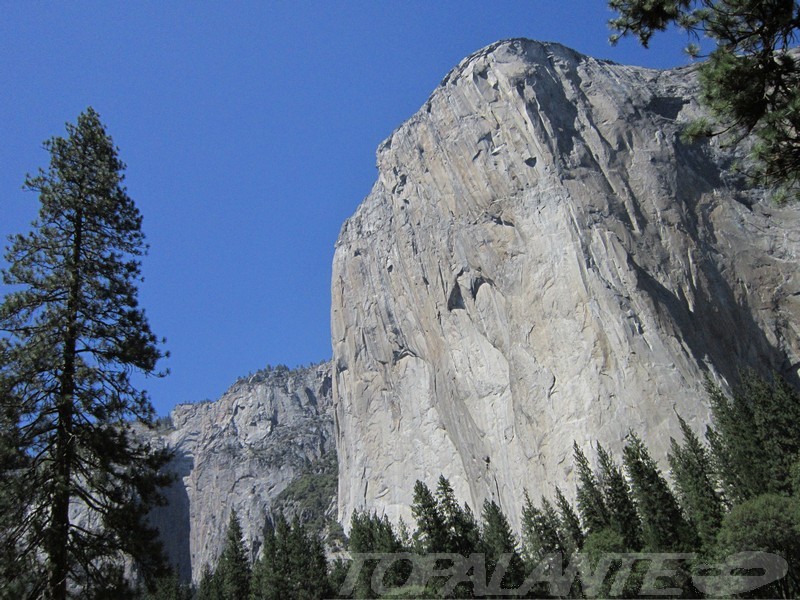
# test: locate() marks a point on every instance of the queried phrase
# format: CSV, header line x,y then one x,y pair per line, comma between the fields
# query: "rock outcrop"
x,y
239,453
543,260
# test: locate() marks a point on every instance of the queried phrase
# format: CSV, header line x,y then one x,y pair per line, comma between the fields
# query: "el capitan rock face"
x,y
543,260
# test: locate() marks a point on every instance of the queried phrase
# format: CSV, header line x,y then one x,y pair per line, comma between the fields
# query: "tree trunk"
x,y
58,550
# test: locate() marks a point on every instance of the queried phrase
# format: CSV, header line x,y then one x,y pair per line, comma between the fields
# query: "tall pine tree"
x,y
73,335
462,535
664,528
498,540
755,439
622,514
432,531
233,568
571,531
591,505
695,483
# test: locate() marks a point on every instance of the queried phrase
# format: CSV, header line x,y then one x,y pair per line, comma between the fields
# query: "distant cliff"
x,y
543,259
240,453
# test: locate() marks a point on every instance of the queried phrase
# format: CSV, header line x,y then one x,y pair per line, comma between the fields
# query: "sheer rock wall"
x,y
543,260
238,453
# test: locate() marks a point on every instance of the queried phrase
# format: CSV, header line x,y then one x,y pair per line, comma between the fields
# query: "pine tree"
x,y
591,505
694,480
571,531
209,586
755,438
664,529
233,568
169,588
462,532
431,528
281,583
73,335
308,566
368,533
622,514
17,564
497,540
540,531
750,79
261,582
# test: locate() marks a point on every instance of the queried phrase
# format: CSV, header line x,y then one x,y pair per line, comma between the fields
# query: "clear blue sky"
x,y
249,130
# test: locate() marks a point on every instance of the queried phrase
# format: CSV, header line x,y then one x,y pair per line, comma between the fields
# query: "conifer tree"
x,y
209,586
308,566
73,334
694,481
591,505
750,80
368,533
462,530
431,527
233,568
497,540
262,581
664,527
540,531
571,531
622,514
755,438
282,582
169,588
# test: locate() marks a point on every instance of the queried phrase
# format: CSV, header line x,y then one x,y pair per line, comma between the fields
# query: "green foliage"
x,y
591,504
369,533
570,525
233,568
337,573
664,529
462,535
756,436
750,79
794,477
292,564
540,533
169,588
605,541
432,531
695,484
73,335
270,579
309,497
767,523
209,587
498,540
622,515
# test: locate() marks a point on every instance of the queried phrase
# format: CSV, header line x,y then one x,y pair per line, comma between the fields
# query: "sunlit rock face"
x,y
543,260
239,453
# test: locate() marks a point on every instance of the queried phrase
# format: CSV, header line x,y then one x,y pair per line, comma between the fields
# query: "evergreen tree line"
x,y
291,564
739,490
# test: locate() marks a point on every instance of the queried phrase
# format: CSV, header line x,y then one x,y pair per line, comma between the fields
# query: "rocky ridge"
x,y
543,259
239,453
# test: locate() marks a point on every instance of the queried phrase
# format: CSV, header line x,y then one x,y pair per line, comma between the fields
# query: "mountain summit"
x,y
543,259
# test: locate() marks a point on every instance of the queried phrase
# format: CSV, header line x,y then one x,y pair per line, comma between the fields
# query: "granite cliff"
x,y
239,453
543,259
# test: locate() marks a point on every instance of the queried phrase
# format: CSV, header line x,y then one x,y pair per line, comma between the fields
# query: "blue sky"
x,y
249,130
